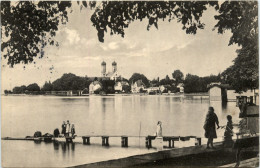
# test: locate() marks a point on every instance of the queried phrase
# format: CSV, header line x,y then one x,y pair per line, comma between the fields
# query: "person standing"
x,y
159,129
63,128
210,127
72,130
68,128
228,132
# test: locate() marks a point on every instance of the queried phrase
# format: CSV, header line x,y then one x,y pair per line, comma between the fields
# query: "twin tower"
x,y
103,68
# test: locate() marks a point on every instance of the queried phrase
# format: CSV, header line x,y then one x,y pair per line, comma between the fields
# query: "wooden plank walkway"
x,y
253,162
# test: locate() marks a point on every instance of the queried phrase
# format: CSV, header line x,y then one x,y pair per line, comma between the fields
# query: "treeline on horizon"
x,y
69,81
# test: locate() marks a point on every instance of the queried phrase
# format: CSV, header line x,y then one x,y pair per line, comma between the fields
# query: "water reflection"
x,y
65,148
37,142
96,115
56,145
224,105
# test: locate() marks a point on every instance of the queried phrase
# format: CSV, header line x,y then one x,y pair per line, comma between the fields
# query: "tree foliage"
x,y
137,76
244,74
194,83
28,26
19,89
108,86
155,82
116,16
241,17
48,86
177,75
70,82
33,87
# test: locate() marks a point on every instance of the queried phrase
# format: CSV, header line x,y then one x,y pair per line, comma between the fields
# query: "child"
x,y
159,129
228,132
73,130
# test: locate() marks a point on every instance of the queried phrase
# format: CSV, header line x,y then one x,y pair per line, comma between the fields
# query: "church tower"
x,y
103,69
114,67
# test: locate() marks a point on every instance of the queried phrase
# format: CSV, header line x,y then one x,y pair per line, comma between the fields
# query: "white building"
x,y
137,86
119,85
94,86
218,92
153,89
181,87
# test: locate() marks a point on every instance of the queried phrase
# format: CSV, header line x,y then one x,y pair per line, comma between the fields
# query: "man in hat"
x,y
210,127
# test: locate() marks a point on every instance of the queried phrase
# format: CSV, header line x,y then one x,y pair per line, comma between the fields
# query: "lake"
x,y
98,115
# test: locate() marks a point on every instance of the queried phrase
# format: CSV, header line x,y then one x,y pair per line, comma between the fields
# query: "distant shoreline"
x,y
123,94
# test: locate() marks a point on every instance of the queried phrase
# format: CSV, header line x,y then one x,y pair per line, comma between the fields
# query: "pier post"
x,y
68,139
105,141
148,142
172,144
86,140
124,141
198,142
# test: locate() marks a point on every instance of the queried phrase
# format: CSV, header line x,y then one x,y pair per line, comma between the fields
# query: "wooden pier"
x,y
86,140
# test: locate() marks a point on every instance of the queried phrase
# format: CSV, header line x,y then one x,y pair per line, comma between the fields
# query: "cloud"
x,y
72,36
113,45
184,45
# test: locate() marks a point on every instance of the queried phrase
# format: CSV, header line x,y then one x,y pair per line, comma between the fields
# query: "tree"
x,y
177,75
194,83
126,88
191,83
29,26
34,24
117,16
33,87
70,82
155,83
19,89
23,88
6,91
47,86
136,76
108,86
241,17
166,81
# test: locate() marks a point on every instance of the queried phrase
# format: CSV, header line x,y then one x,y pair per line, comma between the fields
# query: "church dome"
x,y
103,63
114,63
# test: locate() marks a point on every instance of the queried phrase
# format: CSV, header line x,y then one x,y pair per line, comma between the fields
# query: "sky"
x,y
154,53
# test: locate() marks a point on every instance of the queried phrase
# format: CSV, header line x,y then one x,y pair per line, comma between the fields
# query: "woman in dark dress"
x,y
210,126
63,128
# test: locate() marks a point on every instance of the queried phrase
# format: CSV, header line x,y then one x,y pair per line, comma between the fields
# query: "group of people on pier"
x,y
210,128
66,130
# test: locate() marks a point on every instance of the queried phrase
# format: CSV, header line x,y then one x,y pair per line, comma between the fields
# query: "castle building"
x,y
112,75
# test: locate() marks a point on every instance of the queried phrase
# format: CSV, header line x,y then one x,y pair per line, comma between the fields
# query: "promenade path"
x,y
187,156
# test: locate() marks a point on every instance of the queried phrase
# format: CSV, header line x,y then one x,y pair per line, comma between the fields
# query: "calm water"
x,y
96,115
